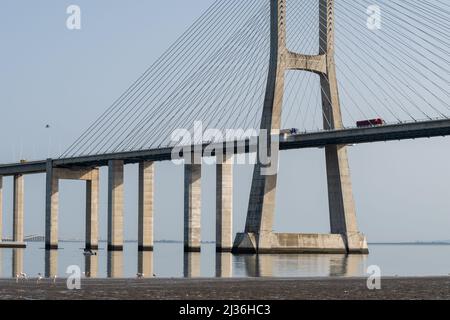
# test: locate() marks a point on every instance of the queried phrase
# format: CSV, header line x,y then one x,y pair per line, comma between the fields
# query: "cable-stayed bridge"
x,y
319,66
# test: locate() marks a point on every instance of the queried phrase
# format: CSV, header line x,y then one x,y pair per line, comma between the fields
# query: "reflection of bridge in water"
x,y
333,265
226,265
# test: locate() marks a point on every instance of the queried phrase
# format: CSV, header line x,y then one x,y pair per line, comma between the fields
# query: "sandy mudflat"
x,y
215,289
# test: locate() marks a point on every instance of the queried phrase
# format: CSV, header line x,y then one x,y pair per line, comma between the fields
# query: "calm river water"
x,y
168,260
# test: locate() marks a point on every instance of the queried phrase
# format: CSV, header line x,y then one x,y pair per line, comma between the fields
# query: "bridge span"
x,y
319,139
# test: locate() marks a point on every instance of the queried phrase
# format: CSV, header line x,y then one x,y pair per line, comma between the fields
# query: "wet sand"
x,y
229,289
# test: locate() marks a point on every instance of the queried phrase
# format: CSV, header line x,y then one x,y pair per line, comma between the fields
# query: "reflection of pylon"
x,y
258,234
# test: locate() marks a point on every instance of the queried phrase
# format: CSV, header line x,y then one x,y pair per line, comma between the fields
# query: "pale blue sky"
x,y
50,75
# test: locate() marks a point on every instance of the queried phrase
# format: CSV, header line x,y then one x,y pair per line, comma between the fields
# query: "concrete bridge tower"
x,y
344,236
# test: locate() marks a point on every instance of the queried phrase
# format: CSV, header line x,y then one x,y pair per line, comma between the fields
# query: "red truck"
x,y
370,123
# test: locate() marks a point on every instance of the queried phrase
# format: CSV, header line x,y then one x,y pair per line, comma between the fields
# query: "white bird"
x,y
54,278
23,275
17,278
39,278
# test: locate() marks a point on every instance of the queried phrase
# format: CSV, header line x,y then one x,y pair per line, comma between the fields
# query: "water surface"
x,y
169,260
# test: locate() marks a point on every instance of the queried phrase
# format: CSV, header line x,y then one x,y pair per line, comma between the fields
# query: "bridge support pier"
x,y
18,208
115,205
51,208
340,197
91,176
92,197
192,207
224,203
145,219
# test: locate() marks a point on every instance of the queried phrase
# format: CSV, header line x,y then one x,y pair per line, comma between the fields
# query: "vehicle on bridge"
x,y
287,132
370,123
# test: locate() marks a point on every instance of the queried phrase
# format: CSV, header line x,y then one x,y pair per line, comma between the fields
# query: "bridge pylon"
x,y
344,237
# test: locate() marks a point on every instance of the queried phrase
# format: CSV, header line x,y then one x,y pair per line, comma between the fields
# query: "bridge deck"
x,y
413,130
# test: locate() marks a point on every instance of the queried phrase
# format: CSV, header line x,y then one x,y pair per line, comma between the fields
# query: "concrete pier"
x,y
145,219
192,207
340,194
92,198
91,176
299,243
341,204
51,208
261,207
115,205
224,204
18,208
